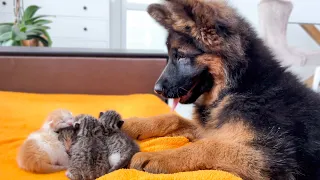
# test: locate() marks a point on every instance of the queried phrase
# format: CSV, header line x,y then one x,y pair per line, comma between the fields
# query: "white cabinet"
x,y
74,8
6,6
80,28
76,23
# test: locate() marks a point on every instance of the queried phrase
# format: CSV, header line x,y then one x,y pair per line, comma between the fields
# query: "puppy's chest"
x,y
203,114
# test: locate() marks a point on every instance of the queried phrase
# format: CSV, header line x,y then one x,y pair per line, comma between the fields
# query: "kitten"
x,y
67,136
121,147
89,153
42,152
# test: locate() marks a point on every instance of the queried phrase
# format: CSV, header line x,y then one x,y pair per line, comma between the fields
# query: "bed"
x,y
33,82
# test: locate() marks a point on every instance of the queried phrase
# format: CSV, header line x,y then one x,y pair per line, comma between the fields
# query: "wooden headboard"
x,y
79,71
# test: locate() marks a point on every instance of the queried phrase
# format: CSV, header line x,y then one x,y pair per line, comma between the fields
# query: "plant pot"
x,y
31,42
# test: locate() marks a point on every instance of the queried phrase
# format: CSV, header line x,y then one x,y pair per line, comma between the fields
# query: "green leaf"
x,y
41,39
46,34
23,29
46,27
32,20
11,24
8,43
42,22
33,33
6,36
17,35
5,28
29,12
37,31
35,28
16,43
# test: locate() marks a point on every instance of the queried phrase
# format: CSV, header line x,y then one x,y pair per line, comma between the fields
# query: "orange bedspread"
x,y
22,113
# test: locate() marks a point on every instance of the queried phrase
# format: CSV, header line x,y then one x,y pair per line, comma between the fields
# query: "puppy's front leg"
x,y
159,126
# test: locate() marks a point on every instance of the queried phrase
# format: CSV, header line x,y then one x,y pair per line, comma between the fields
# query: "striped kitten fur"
x,y
89,153
121,147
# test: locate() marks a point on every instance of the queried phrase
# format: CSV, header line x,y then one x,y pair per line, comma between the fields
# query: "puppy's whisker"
x,y
178,93
183,89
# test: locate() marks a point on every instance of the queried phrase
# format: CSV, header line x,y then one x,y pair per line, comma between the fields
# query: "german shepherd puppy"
x,y
251,118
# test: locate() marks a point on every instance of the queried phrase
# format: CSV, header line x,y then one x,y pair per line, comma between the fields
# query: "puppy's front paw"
x,y
135,128
152,162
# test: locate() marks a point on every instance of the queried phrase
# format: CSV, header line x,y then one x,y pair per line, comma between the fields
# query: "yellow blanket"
x,y
22,113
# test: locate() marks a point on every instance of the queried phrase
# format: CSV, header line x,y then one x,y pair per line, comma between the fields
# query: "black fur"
x,y
283,113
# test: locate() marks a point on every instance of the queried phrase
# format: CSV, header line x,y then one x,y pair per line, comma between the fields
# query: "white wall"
x,y
303,11
151,38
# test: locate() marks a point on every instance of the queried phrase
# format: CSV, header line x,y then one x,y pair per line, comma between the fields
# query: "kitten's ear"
x,y
76,125
100,114
120,123
98,130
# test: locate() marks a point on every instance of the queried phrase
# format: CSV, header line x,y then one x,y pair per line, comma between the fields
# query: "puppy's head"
x,y
206,45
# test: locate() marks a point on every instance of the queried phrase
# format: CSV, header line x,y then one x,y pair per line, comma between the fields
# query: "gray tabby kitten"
x,y
121,147
67,136
89,153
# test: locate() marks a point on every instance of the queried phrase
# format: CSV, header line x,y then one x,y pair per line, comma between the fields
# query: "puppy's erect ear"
x,y
161,14
202,12
100,114
206,21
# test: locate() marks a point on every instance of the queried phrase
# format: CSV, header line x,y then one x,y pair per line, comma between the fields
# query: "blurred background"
x,y
289,27
126,24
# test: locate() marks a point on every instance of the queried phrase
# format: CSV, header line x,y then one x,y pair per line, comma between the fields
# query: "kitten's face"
x,y
87,125
59,119
67,137
111,120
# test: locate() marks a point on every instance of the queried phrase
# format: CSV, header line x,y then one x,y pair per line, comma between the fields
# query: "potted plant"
x,y
27,30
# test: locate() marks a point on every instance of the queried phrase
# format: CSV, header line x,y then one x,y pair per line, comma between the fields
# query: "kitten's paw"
x,y
69,175
111,170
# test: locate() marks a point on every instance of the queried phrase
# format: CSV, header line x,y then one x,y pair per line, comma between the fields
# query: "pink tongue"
x,y
175,103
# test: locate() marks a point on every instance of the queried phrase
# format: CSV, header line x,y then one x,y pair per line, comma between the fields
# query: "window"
x,y
142,32
136,30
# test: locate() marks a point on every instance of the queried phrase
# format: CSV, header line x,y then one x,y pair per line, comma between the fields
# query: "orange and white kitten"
x,y
42,152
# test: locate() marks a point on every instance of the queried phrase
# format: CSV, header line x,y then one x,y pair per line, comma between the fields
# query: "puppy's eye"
x,y
180,56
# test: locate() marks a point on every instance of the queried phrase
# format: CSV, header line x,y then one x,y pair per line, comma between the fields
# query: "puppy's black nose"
x,y
158,88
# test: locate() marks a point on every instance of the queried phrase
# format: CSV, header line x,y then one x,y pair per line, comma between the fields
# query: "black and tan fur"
x,y
252,117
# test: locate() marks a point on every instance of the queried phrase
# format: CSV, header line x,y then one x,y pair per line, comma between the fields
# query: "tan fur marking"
x,y
202,28
67,144
235,131
225,148
216,68
207,153
162,125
